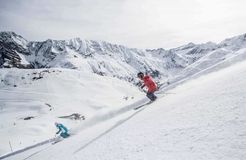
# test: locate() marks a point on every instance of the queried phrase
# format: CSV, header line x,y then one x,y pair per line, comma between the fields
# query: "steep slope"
x,y
31,100
201,119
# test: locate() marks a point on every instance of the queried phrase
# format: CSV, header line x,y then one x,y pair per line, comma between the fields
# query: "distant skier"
x,y
62,129
150,84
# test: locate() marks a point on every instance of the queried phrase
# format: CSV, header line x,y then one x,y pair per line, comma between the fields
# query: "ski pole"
x,y
10,146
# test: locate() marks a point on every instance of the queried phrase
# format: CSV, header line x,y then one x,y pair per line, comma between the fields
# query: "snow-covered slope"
x,y
201,119
55,79
32,100
225,51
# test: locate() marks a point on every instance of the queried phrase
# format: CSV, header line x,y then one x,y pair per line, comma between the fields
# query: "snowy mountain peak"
x,y
12,49
9,37
104,58
98,57
234,43
33,99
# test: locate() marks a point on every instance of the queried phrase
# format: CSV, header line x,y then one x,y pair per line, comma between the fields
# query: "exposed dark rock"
x,y
74,116
28,118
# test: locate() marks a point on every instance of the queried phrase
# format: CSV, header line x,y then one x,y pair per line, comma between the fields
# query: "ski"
x,y
56,141
143,105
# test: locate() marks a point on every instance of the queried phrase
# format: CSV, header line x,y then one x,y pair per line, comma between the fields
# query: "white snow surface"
x,y
61,92
199,114
203,118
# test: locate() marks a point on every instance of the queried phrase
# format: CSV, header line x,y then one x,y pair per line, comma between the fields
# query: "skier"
x,y
150,84
62,129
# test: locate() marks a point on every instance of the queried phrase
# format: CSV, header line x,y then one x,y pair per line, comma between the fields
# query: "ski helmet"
x,y
140,75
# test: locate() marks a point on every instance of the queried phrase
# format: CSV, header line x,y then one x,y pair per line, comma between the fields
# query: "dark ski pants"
x,y
151,96
64,135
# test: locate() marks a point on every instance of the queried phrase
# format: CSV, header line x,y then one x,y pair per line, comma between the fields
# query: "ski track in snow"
x,y
35,102
114,113
107,115
211,139
107,131
89,123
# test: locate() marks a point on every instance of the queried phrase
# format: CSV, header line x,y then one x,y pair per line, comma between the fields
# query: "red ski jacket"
x,y
149,83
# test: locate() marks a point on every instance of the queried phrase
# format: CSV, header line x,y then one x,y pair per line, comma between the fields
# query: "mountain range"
x,y
109,59
73,82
